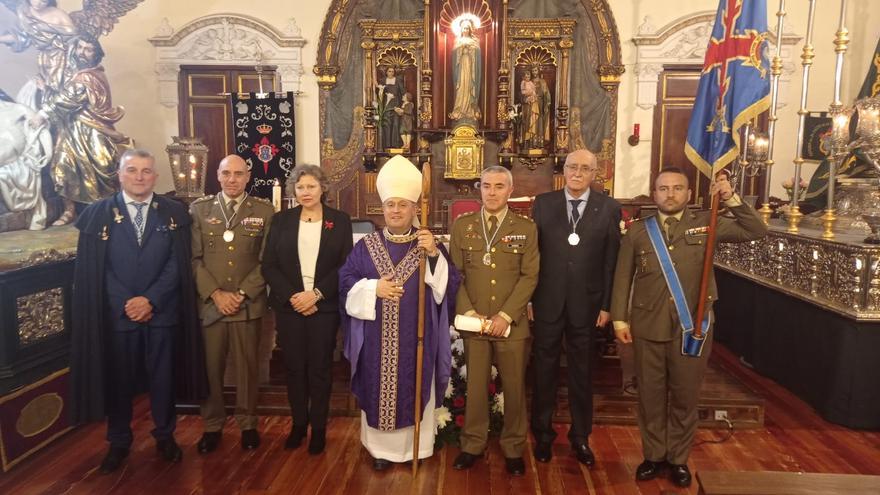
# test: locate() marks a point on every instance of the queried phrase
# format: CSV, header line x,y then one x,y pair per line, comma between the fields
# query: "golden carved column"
x,y
369,110
565,46
426,114
503,99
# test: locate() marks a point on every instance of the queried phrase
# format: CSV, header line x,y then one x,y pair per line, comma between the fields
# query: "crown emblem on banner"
x,y
264,128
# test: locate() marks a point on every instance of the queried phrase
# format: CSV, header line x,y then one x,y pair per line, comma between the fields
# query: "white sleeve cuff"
x,y
438,280
361,301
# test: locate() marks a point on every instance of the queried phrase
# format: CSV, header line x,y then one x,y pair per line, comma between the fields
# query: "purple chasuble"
x,y
382,352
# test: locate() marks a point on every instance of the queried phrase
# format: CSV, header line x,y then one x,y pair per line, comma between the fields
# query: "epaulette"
x,y
525,217
261,200
204,198
467,213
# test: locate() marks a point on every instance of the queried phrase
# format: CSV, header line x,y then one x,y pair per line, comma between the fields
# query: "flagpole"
x,y
775,73
420,345
795,215
840,125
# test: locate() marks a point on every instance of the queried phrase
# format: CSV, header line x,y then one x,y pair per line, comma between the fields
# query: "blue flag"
x,y
734,84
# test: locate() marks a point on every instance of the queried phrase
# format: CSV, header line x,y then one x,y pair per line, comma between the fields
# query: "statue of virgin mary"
x,y
466,66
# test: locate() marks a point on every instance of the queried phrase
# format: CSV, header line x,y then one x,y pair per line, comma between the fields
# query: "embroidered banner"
x,y
265,138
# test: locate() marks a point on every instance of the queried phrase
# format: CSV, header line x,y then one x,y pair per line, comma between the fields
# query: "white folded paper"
x,y
474,324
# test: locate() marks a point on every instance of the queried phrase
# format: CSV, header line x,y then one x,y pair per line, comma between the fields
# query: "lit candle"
x,y
841,127
276,195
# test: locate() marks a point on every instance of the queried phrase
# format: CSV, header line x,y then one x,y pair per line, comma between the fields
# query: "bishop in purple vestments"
x,y
379,287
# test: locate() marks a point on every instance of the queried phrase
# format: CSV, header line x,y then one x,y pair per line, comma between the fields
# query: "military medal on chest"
x,y
487,258
228,234
574,239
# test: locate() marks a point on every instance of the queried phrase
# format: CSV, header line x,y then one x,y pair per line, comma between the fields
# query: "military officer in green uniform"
x,y
496,251
644,314
228,233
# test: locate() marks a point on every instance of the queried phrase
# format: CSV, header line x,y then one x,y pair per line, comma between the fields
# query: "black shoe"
x,y
543,451
250,439
464,461
649,470
209,441
169,450
113,459
584,454
680,475
295,439
318,441
515,465
381,464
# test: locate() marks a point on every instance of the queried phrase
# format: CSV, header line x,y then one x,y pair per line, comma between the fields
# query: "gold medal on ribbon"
x,y
228,235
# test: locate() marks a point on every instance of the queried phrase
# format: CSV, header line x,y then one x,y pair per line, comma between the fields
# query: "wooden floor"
x,y
794,438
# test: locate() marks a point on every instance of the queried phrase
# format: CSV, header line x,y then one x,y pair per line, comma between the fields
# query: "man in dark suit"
x,y
578,237
133,306
645,315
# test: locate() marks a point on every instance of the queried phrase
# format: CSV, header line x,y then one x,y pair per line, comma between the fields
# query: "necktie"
x,y
232,205
575,215
493,224
139,221
670,224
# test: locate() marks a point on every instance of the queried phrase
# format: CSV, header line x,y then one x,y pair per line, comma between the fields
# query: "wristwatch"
x,y
318,294
242,293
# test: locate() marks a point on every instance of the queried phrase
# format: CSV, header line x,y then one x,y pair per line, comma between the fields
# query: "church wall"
x,y
130,67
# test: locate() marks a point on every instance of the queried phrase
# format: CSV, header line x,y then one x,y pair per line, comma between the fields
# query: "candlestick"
x,y
775,73
795,215
840,125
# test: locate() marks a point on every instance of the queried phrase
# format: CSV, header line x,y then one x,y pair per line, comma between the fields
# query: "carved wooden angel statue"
x,y
71,93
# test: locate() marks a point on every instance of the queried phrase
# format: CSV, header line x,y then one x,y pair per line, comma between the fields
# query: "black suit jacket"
x,y
577,278
281,267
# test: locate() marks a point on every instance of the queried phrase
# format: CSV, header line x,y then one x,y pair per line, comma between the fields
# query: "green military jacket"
x,y
234,265
651,313
507,282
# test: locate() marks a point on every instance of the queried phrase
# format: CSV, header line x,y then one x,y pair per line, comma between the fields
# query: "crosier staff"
x,y
420,346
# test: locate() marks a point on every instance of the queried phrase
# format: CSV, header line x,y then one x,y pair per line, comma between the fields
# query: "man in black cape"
x,y
134,311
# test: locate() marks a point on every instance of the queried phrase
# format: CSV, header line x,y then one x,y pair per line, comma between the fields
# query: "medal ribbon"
x,y
226,219
491,241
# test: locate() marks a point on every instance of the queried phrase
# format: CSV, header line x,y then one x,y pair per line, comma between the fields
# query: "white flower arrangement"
x,y
448,390
623,227
462,371
494,372
442,416
498,403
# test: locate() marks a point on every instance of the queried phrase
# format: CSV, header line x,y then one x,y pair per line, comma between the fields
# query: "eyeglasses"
x,y
583,170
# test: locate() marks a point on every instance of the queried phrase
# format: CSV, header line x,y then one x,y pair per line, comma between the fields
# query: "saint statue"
x,y
466,66
530,111
405,111
62,117
84,161
545,116
390,98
